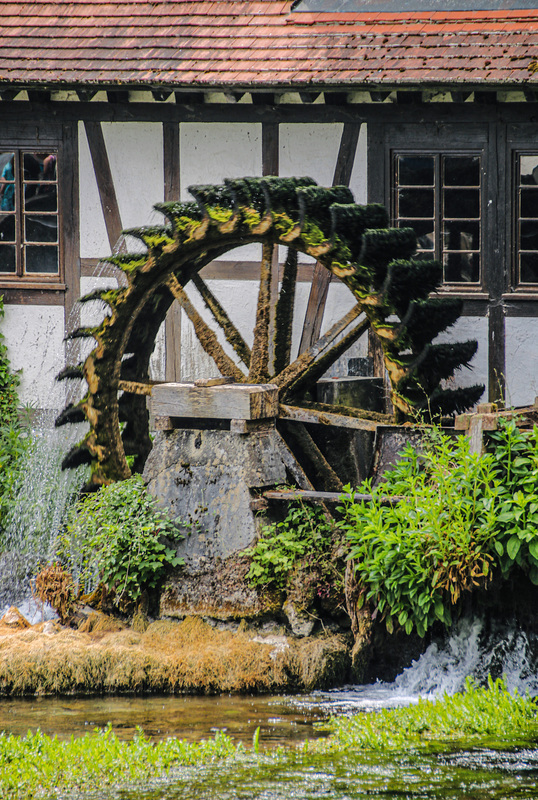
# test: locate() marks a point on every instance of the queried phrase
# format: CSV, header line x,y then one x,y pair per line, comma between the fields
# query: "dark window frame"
x,y
60,139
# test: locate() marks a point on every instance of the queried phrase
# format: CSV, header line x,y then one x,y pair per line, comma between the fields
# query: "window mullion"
x,y
438,210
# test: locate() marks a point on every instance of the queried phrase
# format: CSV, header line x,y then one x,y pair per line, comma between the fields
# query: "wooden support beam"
x,y
312,416
270,166
105,183
322,277
171,191
235,401
289,496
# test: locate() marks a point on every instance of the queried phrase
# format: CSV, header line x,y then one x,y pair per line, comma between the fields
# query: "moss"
x,y
219,214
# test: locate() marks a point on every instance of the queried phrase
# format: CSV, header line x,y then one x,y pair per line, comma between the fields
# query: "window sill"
x,y
23,285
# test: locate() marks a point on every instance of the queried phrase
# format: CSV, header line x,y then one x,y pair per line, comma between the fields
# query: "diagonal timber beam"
x,y
259,361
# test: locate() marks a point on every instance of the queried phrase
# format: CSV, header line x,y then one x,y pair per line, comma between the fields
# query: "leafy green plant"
x,y
515,468
305,533
415,558
116,537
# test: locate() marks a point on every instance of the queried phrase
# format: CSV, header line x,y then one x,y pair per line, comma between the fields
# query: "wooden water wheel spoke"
x,y
206,336
259,362
305,360
233,337
284,313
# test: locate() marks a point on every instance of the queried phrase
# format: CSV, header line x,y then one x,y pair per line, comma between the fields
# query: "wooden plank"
x,y
171,161
322,277
32,296
328,497
171,189
68,188
311,416
105,182
233,401
270,166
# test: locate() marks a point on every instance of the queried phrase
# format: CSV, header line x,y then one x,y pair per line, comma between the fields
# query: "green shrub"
x,y
116,537
306,533
461,517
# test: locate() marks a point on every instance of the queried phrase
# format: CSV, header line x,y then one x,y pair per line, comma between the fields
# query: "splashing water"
x,y
43,494
474,648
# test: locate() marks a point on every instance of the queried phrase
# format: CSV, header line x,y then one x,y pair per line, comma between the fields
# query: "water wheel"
x,y
391,289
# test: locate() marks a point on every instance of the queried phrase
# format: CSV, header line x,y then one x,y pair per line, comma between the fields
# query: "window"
x,y
526,223
439,196
29,245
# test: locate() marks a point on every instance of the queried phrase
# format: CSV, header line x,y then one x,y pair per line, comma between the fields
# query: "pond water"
x,y
502,770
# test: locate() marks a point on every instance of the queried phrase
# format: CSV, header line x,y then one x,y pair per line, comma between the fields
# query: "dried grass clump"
x,y
170,657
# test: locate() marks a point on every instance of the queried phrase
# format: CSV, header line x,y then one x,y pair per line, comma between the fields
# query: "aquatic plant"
x,y
40,766
479,712
118,538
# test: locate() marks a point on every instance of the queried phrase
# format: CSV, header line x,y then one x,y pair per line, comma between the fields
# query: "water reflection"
x,y
193,718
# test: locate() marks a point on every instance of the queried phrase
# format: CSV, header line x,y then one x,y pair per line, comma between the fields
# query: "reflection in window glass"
x,y
439,197
29,213
527,218
7,258
41,259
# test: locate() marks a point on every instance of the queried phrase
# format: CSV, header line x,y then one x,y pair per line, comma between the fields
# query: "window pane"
x,y
7,227
7,258
528,235
41,259
7,186
40,197
462,170
463,235
415,170
39,166
529,170
415,203
424,229
462,203
528,268
43,228
461,267
529,202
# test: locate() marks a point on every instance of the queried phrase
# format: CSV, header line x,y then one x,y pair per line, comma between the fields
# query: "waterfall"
x,y
43,495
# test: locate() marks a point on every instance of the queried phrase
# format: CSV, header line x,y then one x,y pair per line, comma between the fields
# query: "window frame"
x,y
439,217
28,138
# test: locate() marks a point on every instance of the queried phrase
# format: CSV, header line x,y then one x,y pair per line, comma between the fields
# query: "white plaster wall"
x,y
359,175
34,337
211,152
470,328
135,153
309,150
521,360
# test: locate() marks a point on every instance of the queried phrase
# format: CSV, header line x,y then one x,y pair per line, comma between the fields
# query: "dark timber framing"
x,y
506,128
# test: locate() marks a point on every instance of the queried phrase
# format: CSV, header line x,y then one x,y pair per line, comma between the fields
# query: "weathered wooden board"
x,y
327,497
232,401
297,414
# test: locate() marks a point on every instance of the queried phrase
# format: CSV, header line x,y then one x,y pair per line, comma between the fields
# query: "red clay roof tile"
x,y
259,42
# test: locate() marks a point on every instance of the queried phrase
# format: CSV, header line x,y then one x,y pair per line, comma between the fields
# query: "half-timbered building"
x,y
107,108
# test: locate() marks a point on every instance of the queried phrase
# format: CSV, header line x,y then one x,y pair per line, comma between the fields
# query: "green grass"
x,y
38,766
